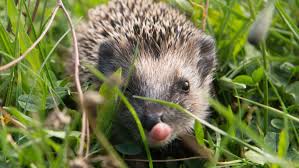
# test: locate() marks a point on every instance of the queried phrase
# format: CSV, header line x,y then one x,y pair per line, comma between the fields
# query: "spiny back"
x,y
152,26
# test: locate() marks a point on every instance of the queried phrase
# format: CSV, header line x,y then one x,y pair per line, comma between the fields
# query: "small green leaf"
x,y
258,74
293,90
50,103
244,79
283,143
128,149
287,67
29,103
255,157
199,133
277,123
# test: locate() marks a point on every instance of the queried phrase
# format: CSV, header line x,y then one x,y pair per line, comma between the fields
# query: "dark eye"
x,y
185,86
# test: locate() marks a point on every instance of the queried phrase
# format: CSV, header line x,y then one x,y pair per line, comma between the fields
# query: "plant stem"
x,y
266,91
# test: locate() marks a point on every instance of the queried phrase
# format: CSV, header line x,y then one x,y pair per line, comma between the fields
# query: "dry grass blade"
x,y
85,128
167,160
205,15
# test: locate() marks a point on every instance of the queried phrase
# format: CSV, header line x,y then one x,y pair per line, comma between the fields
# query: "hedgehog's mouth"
x,y
160,135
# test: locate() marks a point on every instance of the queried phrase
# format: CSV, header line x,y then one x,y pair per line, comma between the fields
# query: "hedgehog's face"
x,y
181,75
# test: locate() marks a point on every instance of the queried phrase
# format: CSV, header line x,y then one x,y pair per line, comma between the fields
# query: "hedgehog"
x,y
172,60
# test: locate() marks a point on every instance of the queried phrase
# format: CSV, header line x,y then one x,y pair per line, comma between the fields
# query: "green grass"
x,y
255,110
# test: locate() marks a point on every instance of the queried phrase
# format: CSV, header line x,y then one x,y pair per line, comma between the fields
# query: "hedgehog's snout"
x,y
152,114
157,130
152,121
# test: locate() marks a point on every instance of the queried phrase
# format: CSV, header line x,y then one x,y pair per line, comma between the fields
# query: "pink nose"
x,y
160,132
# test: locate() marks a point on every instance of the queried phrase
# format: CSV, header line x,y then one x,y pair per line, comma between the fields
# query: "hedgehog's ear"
x,y
207,61
106,56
